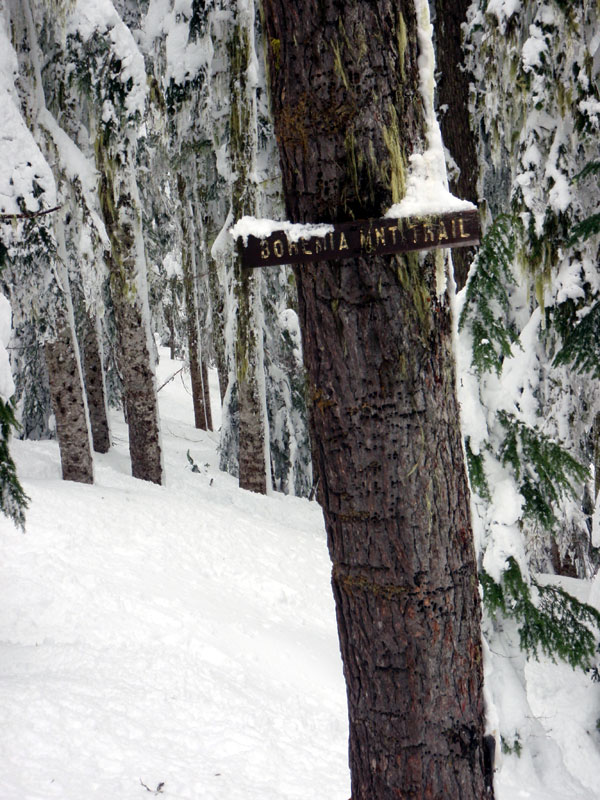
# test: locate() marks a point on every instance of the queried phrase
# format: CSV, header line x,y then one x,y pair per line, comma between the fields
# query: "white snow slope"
x,y
183,638
182,635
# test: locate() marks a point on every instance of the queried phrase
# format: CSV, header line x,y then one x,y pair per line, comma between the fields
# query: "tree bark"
x,y
377,343
121,217
252,460
202,414
68,404
453,97
94,384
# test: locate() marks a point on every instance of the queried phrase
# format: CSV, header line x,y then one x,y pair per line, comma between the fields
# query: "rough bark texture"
x,y
94,384
251,458
384,416
66,391
453,95
206,392
202,414
134,353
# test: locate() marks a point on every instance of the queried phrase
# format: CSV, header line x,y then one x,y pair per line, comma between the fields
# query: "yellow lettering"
x,y
305,249
379,237
343,242
318,246
292,248
428,231
442,232
278,248
366,243
453,223
331,245
414,228
393,230
264,249
463,235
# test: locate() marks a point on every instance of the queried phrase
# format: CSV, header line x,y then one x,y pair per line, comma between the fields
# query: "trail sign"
x,y
366,237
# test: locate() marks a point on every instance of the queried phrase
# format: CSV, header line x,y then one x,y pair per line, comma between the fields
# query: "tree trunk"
x,y
94,384
121,215
66,391
377,343
252,458
453,96
202,415
206,392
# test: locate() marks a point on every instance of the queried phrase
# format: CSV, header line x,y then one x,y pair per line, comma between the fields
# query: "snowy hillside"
x,y
182,635
185,636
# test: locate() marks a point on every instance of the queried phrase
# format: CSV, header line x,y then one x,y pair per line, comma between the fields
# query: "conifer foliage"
x,y
529,319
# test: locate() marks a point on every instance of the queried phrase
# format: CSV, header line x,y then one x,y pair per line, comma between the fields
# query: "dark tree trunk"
x,y
206,392
377,343
453,95
202,414
68,404
94,384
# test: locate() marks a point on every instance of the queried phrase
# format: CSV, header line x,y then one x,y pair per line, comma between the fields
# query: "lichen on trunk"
x,y
377,341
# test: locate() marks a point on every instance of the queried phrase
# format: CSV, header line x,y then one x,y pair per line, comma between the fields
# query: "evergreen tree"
x,y
534,277
109,78
40,255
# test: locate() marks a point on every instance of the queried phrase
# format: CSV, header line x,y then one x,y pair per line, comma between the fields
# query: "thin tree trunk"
x,y
377,343
94,384
218,327
68,404
252,460
121,217
201,410
453,97
206,392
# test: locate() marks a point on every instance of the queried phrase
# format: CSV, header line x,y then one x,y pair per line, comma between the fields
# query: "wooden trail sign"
x,y
366,237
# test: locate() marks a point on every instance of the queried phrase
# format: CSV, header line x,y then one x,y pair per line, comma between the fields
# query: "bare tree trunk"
x,y
377,343
68,404
252,459
121,217
201,410
453,97
94,384
206,392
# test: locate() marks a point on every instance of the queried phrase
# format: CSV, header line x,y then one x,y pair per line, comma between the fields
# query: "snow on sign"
x,y
367,237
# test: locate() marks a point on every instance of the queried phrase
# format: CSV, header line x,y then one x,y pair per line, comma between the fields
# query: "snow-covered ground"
x,y
182,635
185,635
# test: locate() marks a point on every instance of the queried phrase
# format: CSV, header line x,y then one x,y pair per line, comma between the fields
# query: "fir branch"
x,y
585,229
28,214
589,226
557,625
477,476
545,470
591,168
581,346
487,301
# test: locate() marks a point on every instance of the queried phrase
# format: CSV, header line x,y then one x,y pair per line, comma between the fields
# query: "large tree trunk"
x,y
68,404
453,97
377,344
